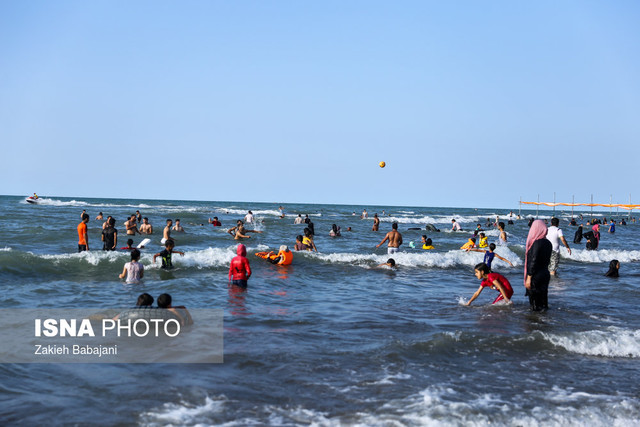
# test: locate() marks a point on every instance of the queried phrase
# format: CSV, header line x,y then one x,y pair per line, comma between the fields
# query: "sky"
x,y
470,104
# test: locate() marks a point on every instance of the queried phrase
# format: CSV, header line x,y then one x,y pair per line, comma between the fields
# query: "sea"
x,y
333,339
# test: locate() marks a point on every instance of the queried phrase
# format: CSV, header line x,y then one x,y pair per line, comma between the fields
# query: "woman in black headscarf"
x,y
578,236
614,266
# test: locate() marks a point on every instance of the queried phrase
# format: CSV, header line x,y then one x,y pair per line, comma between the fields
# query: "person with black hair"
x,y
109,236
494,281
614,266
83,238
133,270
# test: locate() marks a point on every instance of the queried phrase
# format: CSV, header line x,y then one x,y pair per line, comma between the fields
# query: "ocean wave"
x,y
424,259
184,413
433,406
610,342
601,255
6,249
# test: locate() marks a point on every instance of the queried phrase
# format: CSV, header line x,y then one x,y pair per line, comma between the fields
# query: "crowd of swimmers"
x,y
541,253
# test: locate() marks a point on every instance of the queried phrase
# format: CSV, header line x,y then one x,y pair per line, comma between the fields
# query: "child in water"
x,y
166,254
494,281
133,271
391,263
470,244
489,255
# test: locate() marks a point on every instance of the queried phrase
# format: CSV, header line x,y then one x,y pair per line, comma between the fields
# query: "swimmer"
x,y
614,266
239,269
166,233
299,245
391,263
394,238
471,243
178,227
131,225
298,219
133,270
376,222
129,246
335,231
307,240
494,281
166,254
145,227
248,218
99,217
483,241
455,226
283,257
215,222
502,238
488,255
180,311
238,232
427,243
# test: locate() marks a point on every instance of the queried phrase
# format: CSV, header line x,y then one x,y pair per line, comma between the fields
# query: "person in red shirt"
x,y
240,270
83,239
494,281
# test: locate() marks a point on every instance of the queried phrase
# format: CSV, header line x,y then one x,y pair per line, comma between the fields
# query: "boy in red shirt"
x,y
494,281
240,270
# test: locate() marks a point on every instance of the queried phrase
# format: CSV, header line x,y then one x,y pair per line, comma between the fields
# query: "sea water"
x,y
331,339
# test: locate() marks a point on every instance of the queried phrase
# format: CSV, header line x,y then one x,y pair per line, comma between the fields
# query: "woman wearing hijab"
x,y
536,270
614,266
577,238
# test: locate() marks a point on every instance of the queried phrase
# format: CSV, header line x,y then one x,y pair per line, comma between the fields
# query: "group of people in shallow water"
x,y
541,251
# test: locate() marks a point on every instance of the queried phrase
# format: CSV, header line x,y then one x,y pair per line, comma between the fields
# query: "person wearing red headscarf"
x,y
536,266
240,270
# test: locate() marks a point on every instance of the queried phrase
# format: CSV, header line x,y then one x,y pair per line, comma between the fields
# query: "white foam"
x,y
91,257
184,413
243,212
610,342
5,249
421,259
600,255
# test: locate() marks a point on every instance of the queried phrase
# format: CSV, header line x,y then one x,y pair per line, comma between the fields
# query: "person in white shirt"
x,y
455,226
298,219
248,217
555,236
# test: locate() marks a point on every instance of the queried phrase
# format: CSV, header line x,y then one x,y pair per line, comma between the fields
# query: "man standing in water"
x,y
145,227
83,238
132,226
166,233
554,235
394,238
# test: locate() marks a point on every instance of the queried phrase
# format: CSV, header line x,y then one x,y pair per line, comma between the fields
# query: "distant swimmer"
x,y
138,216
178,228
364,215
489,255
298,219
376,222
612,226
248,218
131,225
455,226
239,269
83,238
133,271
110,236
215,222
494,281
145,227
281,209
99,217
166,254
335,231
391,263
307,220
502,238
394,238
239,232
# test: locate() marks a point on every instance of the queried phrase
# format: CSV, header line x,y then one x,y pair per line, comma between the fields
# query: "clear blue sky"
x,y
470,103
